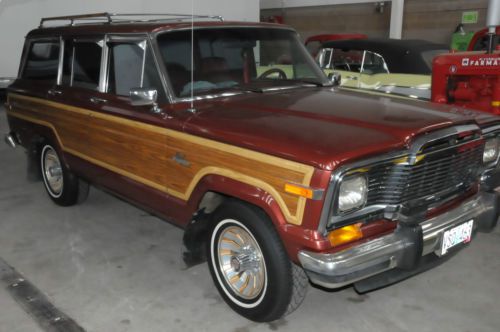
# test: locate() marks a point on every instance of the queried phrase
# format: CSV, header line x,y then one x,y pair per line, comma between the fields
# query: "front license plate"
x,y
456,235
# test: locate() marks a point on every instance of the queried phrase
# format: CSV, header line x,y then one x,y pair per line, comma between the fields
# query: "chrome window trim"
x,y
337,175
121,38
363,64
103,82
160,67
88,39
61,57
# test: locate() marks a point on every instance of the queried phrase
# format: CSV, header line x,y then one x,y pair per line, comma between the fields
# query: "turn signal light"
x,y
299,190
345,234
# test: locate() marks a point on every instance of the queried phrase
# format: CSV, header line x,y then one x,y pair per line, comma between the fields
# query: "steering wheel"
x,y
269,72
343,66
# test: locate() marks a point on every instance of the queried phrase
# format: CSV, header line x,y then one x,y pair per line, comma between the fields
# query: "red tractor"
x,y
471,79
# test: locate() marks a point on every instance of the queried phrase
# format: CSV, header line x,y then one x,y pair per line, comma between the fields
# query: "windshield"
x,y
228,59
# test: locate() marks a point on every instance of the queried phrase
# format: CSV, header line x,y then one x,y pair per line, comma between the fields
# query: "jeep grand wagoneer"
x,y
278,180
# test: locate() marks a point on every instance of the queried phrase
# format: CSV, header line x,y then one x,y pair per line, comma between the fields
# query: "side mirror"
x,y
335,78
144,97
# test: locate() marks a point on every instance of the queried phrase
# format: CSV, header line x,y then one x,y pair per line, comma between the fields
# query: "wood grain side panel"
x,y
145,153
134,150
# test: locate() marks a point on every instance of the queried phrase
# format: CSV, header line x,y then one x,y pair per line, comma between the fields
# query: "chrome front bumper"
x,y
400,249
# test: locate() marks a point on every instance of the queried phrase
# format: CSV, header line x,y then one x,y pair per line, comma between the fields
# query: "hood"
x,y
322,127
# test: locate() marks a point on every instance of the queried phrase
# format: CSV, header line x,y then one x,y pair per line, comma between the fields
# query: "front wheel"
x,y
250,266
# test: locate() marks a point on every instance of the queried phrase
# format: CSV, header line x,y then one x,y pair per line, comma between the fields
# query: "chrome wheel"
x,y
52,171
241,262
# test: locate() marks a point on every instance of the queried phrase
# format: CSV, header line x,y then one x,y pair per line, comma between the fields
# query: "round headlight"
x,y
491,149
352,193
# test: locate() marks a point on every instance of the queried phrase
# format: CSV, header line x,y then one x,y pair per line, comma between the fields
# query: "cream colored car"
x,y
396,67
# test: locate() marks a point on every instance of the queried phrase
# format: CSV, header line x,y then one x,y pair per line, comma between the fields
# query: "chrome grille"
x,y
445,173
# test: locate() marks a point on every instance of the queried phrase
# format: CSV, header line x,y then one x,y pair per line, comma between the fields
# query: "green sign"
x,y
470,17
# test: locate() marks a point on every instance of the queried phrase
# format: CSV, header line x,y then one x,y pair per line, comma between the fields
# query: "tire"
x,y
63,187
250,266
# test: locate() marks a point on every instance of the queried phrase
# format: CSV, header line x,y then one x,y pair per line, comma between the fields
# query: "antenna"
x,y
192,109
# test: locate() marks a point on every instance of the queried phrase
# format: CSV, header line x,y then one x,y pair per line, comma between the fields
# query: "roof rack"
x,y
110,18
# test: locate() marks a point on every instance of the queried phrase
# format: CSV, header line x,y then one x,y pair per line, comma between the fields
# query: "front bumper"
x,y
402,249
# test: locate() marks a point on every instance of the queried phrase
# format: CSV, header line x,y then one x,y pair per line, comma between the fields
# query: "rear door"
x,y
77,91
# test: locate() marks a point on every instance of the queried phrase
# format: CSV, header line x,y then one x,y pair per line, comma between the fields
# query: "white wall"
x,y
18,17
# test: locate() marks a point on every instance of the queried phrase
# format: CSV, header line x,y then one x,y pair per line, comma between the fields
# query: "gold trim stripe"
x,y
249,154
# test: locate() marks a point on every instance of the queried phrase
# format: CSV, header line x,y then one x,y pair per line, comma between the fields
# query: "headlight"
x,y
491,149
352,193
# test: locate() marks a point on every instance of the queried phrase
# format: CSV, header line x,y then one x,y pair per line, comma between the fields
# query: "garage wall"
x,y
434,20
18,17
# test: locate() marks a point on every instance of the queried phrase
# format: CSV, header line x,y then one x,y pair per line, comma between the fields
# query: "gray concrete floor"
x,y
112,267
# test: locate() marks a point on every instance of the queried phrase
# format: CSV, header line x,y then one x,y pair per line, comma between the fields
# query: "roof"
x,y
335,36
401,55
141,27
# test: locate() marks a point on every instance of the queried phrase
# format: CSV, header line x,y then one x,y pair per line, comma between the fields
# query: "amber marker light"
x,y
345,234
299,190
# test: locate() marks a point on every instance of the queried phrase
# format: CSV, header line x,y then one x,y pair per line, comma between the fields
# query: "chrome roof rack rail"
x,y
110,18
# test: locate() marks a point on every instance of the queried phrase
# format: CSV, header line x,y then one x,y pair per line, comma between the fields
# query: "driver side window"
x,y
346,59
132,66
374,64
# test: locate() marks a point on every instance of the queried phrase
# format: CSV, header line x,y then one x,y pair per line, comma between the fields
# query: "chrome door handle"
x,y
54,92
96,100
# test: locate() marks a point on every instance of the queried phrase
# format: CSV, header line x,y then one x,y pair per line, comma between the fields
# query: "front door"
x,y
129,142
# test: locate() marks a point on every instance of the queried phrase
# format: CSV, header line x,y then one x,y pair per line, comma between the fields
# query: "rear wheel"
x,y
250,266
63,187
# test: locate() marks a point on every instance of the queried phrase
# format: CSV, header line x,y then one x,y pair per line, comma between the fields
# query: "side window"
x,y
42,61
374,64
313,47
126,62
349,60
86,64
131,65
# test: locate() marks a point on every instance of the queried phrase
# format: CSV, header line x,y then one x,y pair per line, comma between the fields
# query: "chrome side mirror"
x,y
335,78
145,97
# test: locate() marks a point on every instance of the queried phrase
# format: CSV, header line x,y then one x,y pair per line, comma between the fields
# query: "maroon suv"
x,y
231,131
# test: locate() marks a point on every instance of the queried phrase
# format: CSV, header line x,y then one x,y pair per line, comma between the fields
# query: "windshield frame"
x,y
173,98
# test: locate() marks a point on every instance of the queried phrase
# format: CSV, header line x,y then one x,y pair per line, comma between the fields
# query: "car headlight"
x,y
352,193
491,149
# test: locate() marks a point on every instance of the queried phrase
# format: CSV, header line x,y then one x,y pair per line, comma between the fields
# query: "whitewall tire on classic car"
x,y
250,266
63,187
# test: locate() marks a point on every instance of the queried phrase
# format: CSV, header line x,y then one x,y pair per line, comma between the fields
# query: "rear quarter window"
x,y
42,61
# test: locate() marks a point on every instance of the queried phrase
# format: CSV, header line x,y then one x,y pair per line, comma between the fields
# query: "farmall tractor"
x,y
471,79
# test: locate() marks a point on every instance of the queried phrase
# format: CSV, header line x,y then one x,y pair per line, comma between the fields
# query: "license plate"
x,y
456,236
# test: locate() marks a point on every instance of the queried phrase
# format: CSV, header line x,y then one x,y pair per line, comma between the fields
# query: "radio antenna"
x,y
192,109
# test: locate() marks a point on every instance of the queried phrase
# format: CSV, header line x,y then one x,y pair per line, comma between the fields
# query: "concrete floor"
x,y
112,267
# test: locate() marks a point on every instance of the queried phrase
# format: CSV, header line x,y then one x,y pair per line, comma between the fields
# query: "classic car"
x,y
314,43
398,67
278,180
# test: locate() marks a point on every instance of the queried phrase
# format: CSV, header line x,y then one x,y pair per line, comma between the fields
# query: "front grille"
x,y
442,173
